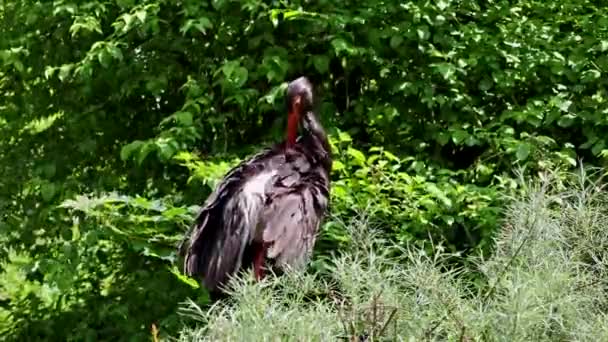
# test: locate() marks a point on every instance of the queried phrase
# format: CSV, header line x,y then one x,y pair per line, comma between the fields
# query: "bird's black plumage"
x,y
276,198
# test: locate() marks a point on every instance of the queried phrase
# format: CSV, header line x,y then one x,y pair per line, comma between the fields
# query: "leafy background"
x,y
117,118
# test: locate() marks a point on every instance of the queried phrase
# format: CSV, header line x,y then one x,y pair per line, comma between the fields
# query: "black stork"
x,y
267,210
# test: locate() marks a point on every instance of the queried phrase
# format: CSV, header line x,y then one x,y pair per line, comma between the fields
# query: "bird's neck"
x,y
315,138
312,126
292,129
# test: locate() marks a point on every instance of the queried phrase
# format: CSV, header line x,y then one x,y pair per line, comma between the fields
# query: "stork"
x,y
267,210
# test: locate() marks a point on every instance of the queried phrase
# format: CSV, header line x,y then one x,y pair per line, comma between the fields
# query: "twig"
x,y
390,318
463,336
508,265
428,333
458,321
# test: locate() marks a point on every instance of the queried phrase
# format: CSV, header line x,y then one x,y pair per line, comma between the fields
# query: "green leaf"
x,y
129,149
235,73
448,219
423,32
443,138
183,278
337,165
559,56
523,151
75,232
128,19
202,24
141,15
184,118
47,191
472,141
590,76
321,63
173,212
598,147
458,136
396,41
566,120
276,67
87,23
485,84
49,71
437,193
48,170
166,148
340,45
40,125
357,155
18,65
104,58
274,16
446,70
344,137
240,76
391,156
442,4
565,105
229,67
115,52
144,151
291,14
156,84
64,71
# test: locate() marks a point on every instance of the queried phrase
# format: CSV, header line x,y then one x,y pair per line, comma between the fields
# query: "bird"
x,y
266,211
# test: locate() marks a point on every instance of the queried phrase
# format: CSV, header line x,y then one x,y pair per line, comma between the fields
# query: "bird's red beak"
x,y
293,119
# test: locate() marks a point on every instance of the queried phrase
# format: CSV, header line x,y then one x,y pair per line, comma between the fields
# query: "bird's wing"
x,y
226,223
291,220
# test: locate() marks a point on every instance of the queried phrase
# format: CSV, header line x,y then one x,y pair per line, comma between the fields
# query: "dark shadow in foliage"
x,y
144,293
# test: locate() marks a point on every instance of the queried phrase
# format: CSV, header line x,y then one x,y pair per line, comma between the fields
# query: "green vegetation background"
x,y
117,118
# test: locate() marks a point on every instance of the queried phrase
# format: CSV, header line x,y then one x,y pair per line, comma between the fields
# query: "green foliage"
x,y
117,118
27,294
410,199
540,285
114,263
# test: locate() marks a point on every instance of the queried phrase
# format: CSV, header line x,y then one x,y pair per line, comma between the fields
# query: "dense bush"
x,y
546,282
117,117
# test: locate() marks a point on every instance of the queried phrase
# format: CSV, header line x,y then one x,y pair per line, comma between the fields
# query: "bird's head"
x,y
299,101
299,95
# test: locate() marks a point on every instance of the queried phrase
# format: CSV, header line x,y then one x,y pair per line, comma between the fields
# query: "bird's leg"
x,y
258,260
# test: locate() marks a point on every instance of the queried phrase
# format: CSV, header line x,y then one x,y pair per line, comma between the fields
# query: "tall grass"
x,y
546,281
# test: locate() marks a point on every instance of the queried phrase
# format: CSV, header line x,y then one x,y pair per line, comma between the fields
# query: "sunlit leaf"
x,y
523,151
357,155
128,150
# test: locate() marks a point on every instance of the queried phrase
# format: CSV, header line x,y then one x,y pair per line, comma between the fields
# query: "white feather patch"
x,y
256,186
251,202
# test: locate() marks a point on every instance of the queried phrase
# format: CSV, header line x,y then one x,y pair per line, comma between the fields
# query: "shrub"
x,y
435,101
545,282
